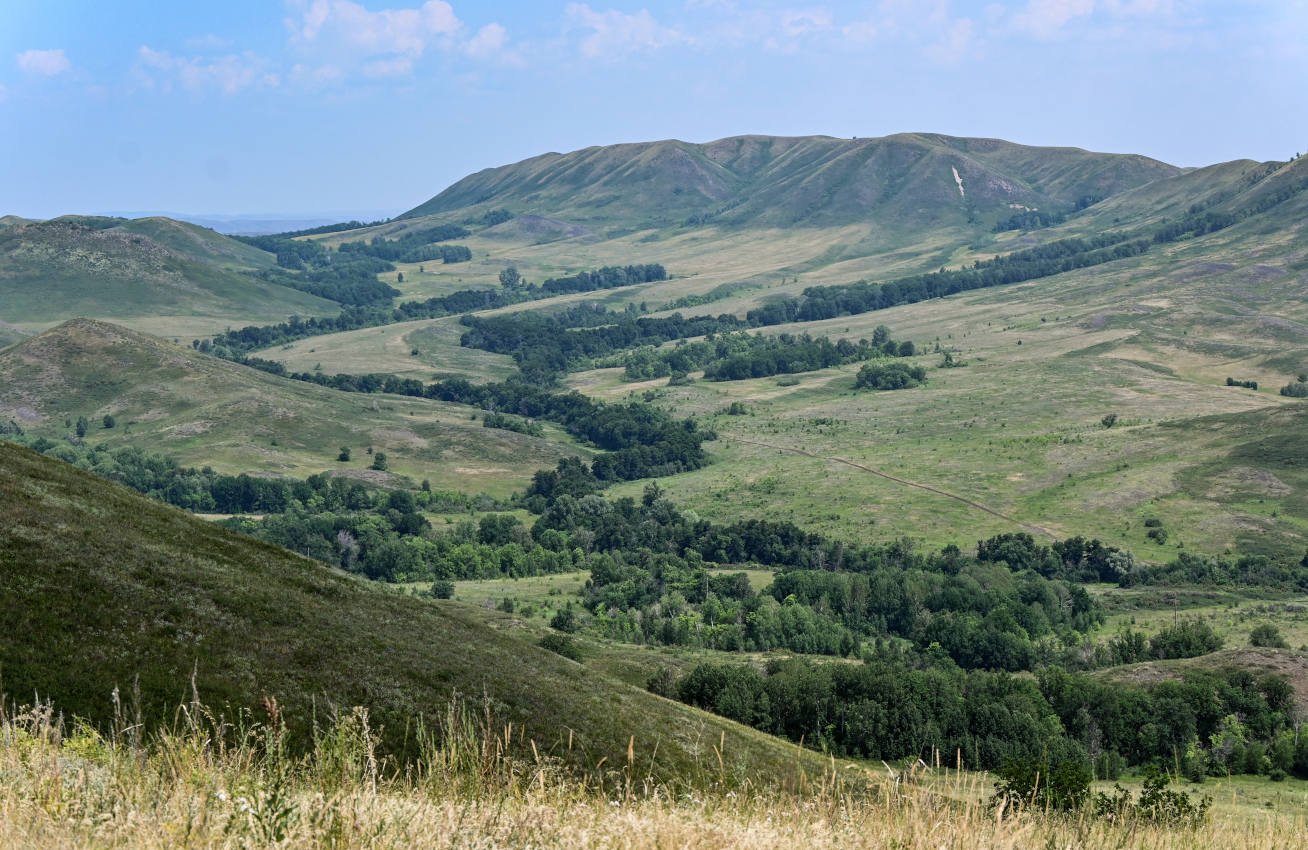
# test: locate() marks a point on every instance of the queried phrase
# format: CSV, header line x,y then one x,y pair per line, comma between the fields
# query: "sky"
x,y
334,106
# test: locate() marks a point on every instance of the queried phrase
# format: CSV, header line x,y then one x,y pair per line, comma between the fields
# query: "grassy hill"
x,y
161,276
9,334
101,587
206,411
199,243
907,180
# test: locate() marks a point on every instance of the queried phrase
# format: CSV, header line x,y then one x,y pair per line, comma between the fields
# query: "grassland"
x,y
1151,339
101,588
205,411
84,791
1018,430
390,349
159,276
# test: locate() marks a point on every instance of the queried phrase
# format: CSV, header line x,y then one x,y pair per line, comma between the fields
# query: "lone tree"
x,y
109,421
510,278
379,461
82,425
344,456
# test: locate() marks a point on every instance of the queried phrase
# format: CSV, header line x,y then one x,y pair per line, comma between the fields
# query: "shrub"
x,y
1267,634
1032,782
442,589
562,645
890,376
1186,639
565,620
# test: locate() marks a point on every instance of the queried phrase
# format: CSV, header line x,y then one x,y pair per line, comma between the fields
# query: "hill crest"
x,y
909,179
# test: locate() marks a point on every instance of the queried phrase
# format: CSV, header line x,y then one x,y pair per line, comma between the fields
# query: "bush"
x,y
663,682
1186,639
890,376
562,645
1155,803
441,589
1031,782
565,620
1109,421
1266,634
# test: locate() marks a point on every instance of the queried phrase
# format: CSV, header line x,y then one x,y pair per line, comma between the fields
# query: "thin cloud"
x,y
47,63
340,23
614,34
954,46
1047,19
229,74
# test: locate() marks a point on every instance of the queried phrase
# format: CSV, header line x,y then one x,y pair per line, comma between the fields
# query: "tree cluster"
x,y
737,356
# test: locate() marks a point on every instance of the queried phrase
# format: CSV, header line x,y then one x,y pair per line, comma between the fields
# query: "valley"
x,y
1015,476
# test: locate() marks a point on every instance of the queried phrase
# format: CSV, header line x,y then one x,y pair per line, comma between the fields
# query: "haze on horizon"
x,y
250,107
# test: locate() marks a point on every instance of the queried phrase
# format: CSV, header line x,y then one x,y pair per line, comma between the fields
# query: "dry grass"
x,y
212,784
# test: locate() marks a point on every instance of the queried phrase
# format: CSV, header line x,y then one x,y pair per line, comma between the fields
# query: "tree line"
x,y
737,356
1207,723
234,343
415,246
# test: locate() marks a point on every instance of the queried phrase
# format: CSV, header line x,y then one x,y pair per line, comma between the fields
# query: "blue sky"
x,y
333,105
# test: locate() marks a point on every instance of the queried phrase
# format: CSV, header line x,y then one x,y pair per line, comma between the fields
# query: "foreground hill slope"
x,y
100,587
157,274
906,180
207,411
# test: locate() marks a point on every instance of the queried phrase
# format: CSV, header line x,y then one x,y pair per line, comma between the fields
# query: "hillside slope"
x,y
906,180
101,588
206,411
183,282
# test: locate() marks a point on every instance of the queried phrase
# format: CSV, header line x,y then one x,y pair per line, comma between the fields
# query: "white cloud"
x,y
488,40
1048,18
954,44
45,62
228,74
1045,18
615,34
799,22
208,42
394,66
340,23
859,32
314,76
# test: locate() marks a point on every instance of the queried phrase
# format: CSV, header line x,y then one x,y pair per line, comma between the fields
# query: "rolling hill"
x,y
9,334
158,275
206,411
101,588
898,182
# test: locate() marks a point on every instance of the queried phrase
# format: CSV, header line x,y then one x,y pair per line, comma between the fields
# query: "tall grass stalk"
x,y
219,782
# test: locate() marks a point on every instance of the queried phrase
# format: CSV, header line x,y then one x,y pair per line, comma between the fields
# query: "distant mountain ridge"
x,y
905,180
133,269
